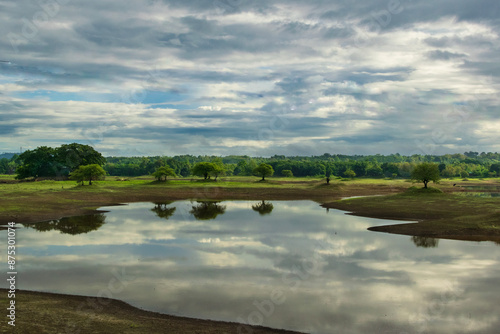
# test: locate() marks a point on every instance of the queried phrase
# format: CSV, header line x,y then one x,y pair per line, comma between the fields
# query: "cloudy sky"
x,y
255,77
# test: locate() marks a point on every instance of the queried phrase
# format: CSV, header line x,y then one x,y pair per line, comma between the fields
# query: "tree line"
x,y
69,160
469,164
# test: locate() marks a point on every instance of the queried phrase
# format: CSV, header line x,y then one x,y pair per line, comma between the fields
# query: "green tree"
x,y
375,171
39,162
263,170
163,172
4,166
426,172
287,173
448,171
217,170
390,168
90,173
72,156
495,168
49,162
350,173
203,169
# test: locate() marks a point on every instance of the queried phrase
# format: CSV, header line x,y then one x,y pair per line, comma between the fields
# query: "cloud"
x,y
444,55
259,77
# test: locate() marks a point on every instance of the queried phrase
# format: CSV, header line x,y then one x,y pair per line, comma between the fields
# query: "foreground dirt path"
x,y
38,312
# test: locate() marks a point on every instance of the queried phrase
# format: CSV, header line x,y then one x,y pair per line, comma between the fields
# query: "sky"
x,y
251,77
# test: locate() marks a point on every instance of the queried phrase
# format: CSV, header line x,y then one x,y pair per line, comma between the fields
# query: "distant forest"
x,y
469,164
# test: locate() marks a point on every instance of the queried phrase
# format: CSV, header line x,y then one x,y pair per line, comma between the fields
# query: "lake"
x,y
281,264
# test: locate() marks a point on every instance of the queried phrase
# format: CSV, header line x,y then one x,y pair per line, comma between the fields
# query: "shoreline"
x,y
442,215
56,204
85,314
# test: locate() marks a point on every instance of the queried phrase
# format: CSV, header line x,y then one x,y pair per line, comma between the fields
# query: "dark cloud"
x,y
444,55
7,130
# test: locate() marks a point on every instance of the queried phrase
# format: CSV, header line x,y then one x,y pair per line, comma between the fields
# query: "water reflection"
x,y
71,225
207,210
240,266
478,194
482,187
425,242
263,208
162,210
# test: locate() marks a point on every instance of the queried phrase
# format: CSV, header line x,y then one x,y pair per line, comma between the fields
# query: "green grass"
x,y
440,214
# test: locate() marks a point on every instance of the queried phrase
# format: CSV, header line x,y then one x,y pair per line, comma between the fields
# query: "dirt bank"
x,y
38,312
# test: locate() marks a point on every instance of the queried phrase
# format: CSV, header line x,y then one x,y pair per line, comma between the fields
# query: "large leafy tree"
x,y
88,173
75,155
39,162
263,170
49,162
203,169
426,172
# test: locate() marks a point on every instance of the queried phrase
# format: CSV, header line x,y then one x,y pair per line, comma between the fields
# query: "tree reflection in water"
x,y
71,225
263,208
162,210
207,210
425,242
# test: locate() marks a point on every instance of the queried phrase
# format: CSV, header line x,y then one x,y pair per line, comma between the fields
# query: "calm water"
x,y
480,191
283,264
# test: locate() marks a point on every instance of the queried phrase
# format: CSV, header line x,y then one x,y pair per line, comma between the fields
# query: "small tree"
x,y
426,172
163,171
263,170
203,169
350,173
287,173
77,175
89,172
217,170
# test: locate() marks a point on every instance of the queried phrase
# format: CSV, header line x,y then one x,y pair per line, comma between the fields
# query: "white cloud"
x,y
219,77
